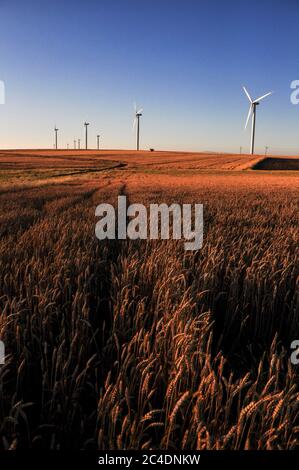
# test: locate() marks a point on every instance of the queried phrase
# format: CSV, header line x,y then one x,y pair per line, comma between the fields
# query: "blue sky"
x,y
184,61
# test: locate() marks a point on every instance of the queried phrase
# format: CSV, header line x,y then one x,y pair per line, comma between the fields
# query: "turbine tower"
x,y
56,130
98,141
138,114
252,112
86,124
79,144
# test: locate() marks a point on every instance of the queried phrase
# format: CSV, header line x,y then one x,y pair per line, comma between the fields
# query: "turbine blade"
x,y
134,123
139,111
248,95
248,116
262,97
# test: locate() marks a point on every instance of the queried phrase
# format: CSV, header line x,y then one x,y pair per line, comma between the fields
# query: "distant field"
x,y
278,164
23,167
139,344
178,160
27,168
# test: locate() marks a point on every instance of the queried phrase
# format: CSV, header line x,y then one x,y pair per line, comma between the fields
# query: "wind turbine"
x,y
86,124
138,113
56,130
252,111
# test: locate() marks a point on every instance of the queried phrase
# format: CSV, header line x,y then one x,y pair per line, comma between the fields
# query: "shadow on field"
x,y
277,164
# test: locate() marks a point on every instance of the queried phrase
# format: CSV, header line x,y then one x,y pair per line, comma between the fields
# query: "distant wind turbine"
x,y
98,141
138,114
252,111
86,124
56,130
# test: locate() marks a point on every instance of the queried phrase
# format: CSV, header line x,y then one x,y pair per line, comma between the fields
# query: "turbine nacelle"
x,y
253,103
137,114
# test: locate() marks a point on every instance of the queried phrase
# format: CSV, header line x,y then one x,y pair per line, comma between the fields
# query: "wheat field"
x,y
140,344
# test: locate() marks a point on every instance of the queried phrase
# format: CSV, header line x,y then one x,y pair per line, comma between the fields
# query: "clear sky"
x,y
184,61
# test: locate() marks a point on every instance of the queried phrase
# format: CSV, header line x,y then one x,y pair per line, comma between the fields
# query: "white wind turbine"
x,y
252,111
138,113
